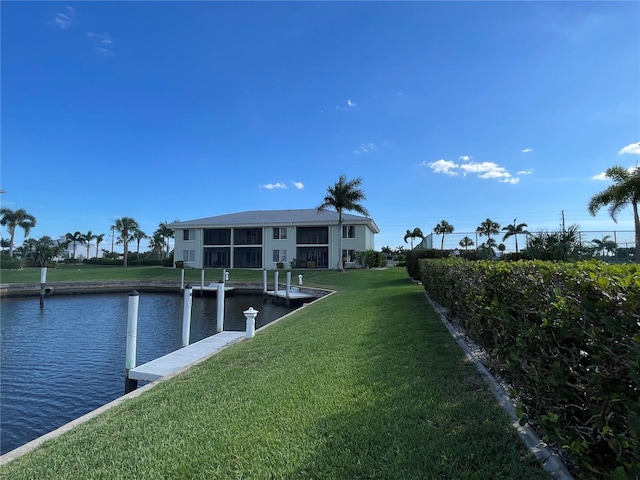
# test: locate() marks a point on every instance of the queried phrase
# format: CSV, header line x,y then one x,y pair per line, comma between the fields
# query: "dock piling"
x,y
132,336
43,285
220,309
186,315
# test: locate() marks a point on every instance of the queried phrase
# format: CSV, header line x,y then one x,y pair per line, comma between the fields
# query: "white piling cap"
x,y
251,311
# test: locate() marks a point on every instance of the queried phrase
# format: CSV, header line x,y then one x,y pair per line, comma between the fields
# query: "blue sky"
x,y
447,110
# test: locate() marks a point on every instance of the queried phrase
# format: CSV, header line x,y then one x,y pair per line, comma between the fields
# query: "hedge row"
x,y
566,336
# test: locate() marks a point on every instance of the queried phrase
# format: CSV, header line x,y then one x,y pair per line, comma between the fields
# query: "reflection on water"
x,y
68,358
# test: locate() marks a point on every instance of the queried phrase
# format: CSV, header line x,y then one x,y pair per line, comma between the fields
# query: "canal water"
x,y
68,358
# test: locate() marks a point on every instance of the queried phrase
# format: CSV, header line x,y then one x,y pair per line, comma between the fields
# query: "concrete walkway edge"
x,y
549,460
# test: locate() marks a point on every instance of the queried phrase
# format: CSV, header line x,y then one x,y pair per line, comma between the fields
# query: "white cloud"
x,y
66,19
528,171
273,186
447,167
484,170
527,150
633,148
103,44
349,106
366,147
298,185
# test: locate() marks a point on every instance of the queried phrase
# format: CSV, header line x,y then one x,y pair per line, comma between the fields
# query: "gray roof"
x,y
308,216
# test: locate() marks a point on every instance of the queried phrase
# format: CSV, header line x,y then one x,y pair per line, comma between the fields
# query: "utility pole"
x,y
563,221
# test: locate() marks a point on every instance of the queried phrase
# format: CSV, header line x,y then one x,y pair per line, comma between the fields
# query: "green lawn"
x,y
364,384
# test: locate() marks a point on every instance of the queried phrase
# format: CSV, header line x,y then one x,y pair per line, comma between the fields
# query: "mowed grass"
x,y
365,384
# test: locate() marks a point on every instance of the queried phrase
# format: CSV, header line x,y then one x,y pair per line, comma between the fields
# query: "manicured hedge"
x,y
566,336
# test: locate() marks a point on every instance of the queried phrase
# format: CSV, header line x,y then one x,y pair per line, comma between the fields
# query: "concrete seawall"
x,y
68,288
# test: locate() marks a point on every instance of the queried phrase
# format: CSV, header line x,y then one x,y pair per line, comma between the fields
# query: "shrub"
x,y
371,259
279,265
8,262
567,338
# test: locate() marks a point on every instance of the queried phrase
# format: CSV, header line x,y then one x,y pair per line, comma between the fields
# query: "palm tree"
x,y
157,244
443,228
16,218
416,233
344,195
166,233
488,228
75,237
138,236
98,239
125,227
624,191
466,242
515,230
87,238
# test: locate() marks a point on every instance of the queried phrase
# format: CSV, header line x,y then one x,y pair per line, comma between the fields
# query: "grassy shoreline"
x,y
365,384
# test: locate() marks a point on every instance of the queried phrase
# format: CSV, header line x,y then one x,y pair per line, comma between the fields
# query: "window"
x,y
279,256
189,256
348,255
279,233
348,231
189,234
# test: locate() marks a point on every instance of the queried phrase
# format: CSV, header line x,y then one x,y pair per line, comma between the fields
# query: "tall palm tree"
x,y
125,227
416,233
87,238
624,191
16,218
488,228
157,244
138,236
166,233
443,228
99,238
466,242
515,230
344,195
75,237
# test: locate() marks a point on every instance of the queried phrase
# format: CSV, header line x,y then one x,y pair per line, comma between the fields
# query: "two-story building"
x,y
262,238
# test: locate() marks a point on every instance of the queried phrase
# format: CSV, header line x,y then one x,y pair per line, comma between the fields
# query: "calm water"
x,y
68,358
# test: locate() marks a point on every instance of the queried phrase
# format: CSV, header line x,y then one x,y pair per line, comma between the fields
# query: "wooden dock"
x,y
174,361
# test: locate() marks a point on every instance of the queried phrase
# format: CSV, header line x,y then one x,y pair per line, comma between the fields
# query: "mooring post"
x,y
182,279
226,276
288,286
300,279
251,322
264,282
186,315
132,336
43,284
220,305
275,285
202,283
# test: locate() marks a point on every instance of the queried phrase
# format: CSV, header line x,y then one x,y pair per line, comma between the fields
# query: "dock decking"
x,y
294,294
212,287
174,361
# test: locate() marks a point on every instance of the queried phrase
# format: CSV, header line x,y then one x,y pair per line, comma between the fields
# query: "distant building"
x,y
81,250
261,239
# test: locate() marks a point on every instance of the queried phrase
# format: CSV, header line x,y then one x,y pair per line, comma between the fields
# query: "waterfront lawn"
x,y
93,273
366,383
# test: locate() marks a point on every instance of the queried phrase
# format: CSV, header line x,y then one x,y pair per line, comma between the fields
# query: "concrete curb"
x,y
549,460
